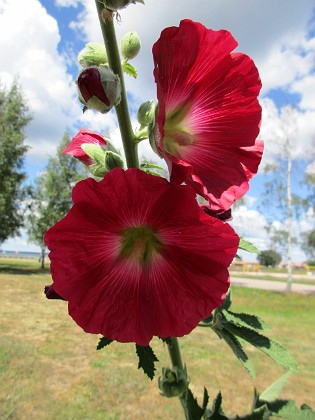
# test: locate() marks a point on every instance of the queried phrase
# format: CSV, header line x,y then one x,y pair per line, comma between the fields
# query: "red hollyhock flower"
x,y
137,257
84,136
208,114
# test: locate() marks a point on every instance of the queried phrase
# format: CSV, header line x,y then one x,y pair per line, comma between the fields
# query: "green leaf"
x,y
237,349
273,391
289,410
248,246
146,360
129,69
246,320
270,347
194,411
103,343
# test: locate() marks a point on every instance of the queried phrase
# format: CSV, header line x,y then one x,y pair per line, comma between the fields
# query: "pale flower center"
x,y
140,244
176,133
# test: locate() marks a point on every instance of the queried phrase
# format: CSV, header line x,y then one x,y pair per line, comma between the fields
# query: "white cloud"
x,y
29,41
67,3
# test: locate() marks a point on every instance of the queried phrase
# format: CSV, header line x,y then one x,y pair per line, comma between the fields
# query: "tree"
x,y
269,258
309,243
51,196
14,116
278,192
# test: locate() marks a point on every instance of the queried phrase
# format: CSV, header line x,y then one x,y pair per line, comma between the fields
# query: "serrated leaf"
x,y
194,411
146,360
205,399
248,246
289,410
129,69
273,391
237,349
270,347
246,320
103,343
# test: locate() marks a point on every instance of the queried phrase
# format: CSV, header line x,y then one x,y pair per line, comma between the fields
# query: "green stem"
x,y
122,110
176,359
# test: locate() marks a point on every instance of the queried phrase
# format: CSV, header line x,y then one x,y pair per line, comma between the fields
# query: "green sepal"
x,y
97,170
146,360
129,69
95,152
103,343
248,246
148,165
270,347
148,171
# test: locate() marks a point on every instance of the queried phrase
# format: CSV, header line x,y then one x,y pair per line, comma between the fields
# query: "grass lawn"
x,y
50,369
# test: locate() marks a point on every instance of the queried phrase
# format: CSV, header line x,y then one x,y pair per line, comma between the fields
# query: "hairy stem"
x,y
122,110
176,359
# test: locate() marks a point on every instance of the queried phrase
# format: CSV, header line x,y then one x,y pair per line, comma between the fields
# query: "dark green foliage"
x,y
234,328
51,195
194,411
14,116
309,243
146,360
103,343
269,258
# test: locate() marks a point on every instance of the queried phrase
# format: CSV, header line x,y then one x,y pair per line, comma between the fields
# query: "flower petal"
x,y
120,295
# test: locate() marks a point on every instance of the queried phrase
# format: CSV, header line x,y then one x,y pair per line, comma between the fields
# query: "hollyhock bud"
x,y
146,113
99,88
93,54
113,160
130,45
173,382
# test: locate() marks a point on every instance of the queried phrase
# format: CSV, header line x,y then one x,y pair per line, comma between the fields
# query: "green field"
x,y
50,369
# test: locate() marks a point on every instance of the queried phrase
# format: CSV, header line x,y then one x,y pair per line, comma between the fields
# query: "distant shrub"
x,y
269,258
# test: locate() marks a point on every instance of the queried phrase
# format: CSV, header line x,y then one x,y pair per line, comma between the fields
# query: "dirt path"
x,y
272,285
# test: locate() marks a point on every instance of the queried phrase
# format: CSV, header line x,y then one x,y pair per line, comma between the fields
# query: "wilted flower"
x,y
99,88
208,113
136,257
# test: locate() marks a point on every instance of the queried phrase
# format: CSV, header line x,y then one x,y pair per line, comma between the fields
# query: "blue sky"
x,y
40,41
